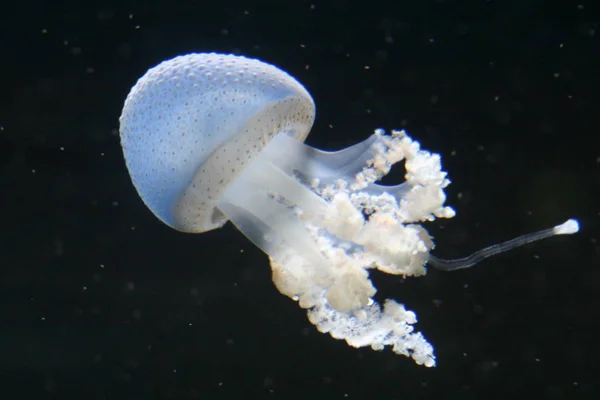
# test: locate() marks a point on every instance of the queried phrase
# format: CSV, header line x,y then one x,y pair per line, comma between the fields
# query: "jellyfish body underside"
x,y
324,222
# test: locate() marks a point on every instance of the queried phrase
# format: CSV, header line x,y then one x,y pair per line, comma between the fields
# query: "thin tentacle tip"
x,y
567,228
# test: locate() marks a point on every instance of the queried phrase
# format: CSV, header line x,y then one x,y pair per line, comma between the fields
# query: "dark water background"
x,y
99,300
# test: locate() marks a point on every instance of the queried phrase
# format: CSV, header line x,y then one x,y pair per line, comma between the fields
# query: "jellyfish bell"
x,y
209,138
190,125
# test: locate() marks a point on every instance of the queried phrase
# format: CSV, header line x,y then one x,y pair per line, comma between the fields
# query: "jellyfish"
x,y
210,138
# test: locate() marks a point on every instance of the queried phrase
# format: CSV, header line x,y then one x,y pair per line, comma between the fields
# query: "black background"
x,y
99,300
